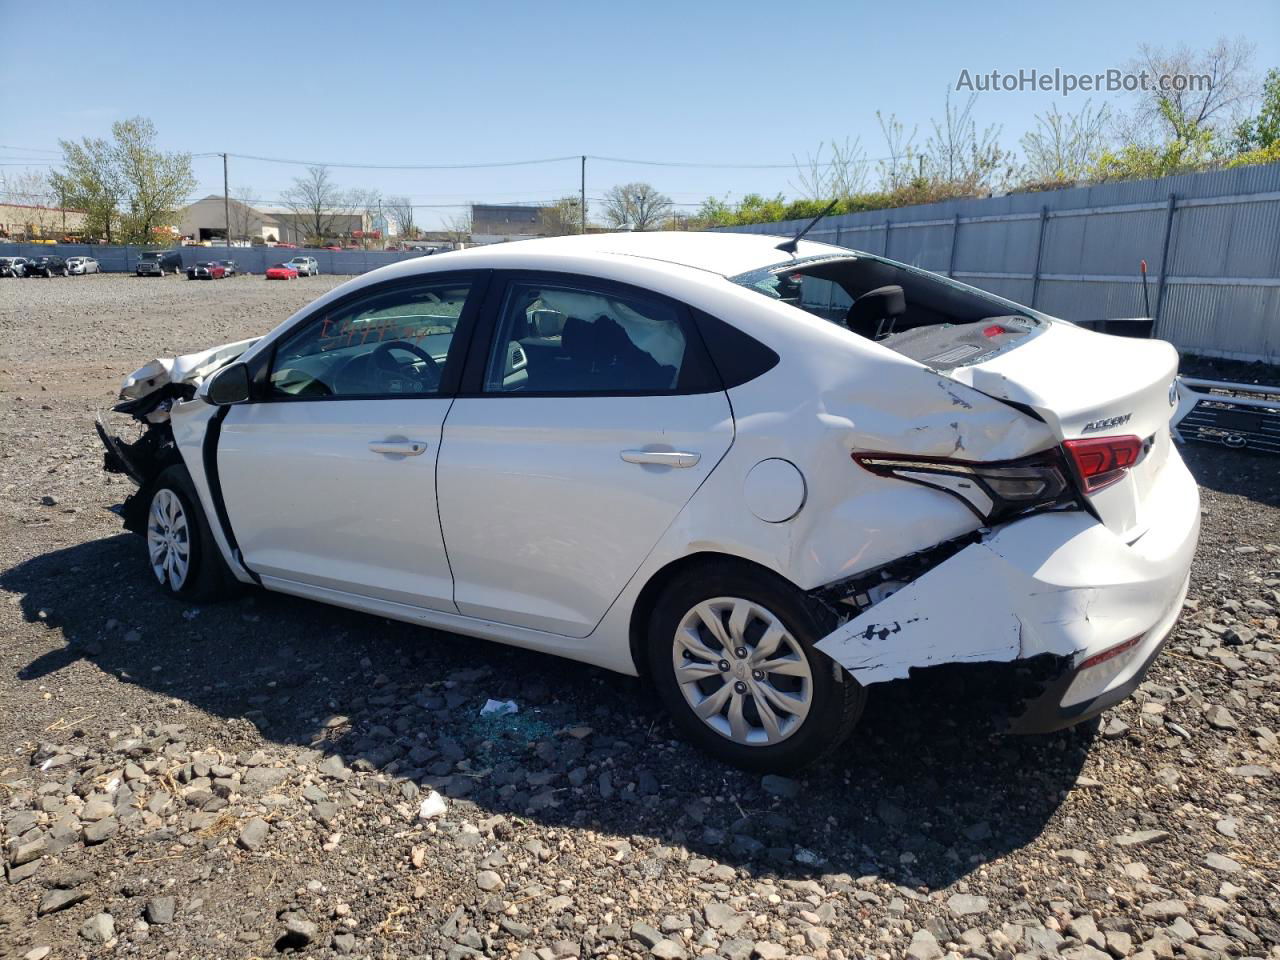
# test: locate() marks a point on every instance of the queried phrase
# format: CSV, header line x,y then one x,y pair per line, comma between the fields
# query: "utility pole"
x,y
582,196
226,199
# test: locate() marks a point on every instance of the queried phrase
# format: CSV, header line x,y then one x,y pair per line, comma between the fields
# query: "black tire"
x,y
836,699
207,576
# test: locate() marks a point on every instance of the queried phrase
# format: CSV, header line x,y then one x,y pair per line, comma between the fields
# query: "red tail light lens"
x,y
1101,461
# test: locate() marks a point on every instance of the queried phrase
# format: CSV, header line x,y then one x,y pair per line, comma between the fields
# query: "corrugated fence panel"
x,y
1222,285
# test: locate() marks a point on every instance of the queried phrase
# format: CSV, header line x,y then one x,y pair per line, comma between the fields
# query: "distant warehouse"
x,y
207,220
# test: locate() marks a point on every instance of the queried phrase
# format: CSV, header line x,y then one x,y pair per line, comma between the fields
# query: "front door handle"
x,y
399,448
662,458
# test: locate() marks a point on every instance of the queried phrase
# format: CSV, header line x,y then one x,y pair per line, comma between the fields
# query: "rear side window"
x,y
586,337
738,357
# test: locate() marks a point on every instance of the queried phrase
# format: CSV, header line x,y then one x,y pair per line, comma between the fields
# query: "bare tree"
x,y
960,155
246,222
458,228
31,189
837,178
317,203
901,166
367,204
1064,147
1206,90
400,209
562,218
637,205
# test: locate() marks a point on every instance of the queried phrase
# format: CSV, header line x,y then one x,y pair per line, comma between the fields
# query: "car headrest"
x,y
882,303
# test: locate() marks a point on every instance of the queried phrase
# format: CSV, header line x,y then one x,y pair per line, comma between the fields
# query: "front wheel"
x,y
181,552
731,652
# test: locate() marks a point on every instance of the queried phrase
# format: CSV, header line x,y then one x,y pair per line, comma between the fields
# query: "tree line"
x,y
1165,133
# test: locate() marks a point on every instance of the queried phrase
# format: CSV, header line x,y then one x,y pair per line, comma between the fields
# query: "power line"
x,y
394,166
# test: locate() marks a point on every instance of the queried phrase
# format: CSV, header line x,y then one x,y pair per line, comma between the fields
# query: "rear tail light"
x,y
1101,461
994,491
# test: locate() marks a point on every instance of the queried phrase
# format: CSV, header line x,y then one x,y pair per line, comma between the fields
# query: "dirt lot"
x,y
247,778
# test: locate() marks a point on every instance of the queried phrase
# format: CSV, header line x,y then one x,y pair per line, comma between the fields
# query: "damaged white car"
x,y
765,475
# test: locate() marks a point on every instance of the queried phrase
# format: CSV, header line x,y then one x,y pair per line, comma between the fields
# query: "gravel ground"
x,y
269,775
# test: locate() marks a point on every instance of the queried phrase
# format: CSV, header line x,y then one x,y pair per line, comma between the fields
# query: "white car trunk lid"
x,y
1088,385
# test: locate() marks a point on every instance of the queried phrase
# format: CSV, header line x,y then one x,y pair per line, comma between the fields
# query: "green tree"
x,y
155,184
89,180
1260,132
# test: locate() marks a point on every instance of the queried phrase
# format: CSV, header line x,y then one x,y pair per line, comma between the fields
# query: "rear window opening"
x,y
931,319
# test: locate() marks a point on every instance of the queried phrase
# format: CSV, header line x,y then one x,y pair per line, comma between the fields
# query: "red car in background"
x,y
281,271
206,270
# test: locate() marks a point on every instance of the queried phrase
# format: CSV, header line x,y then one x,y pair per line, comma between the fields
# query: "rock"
x,y
1084,952
432,806
56,900
1164,910
488,881
298,932
1220,718
1119,943
160,910
1216,861
668,950
721,916
27,852
764,950
99,928
1141,838
253,833
778,786
335,768
1115,729
101,831
1228,827
344,943
646,934
39,953
965,905
923,946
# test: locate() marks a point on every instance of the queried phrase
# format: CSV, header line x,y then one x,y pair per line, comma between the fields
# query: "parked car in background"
x,y
334,247
80,265
230,267
281,271
206,270
640,456
12,266
50,266
156,263
306,266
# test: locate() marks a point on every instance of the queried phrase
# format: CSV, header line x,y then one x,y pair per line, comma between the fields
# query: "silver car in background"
x,y
83,265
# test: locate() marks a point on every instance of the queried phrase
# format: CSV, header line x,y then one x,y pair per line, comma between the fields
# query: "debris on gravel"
x,y
270,776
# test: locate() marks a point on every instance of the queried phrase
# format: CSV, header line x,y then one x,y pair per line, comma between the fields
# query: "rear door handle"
x,y
399,448
662,458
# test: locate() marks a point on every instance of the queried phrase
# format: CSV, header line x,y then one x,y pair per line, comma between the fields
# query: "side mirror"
x,y
229,385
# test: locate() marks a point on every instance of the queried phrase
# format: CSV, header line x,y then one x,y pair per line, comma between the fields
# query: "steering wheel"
x,y
382,359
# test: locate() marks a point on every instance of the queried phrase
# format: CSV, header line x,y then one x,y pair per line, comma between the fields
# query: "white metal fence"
x,y
1211,242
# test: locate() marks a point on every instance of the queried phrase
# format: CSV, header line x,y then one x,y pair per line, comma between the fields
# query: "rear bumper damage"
x,y
1058,584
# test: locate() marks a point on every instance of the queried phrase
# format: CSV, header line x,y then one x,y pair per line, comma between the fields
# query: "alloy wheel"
x,y
741,671
168,540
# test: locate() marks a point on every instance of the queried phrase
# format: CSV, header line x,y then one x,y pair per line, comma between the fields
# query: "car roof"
x,y
726,254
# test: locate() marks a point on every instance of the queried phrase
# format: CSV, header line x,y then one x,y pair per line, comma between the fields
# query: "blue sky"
x,y
711,82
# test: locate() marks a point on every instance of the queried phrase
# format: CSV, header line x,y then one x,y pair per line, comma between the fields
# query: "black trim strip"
x,y
209,457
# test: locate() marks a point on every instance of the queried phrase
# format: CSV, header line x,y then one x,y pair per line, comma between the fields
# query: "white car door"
x,y
589,423
329,476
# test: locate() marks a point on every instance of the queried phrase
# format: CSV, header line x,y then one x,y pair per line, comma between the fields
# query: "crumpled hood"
x,y
188,368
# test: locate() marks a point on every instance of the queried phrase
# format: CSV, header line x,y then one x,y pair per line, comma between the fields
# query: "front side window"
x,y
566,338
392,344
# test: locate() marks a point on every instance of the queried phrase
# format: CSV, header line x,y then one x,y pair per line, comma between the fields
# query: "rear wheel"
x,y
731,653
181,552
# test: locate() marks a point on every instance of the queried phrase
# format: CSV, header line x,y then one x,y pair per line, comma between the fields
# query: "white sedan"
x,y
765,475
82,265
